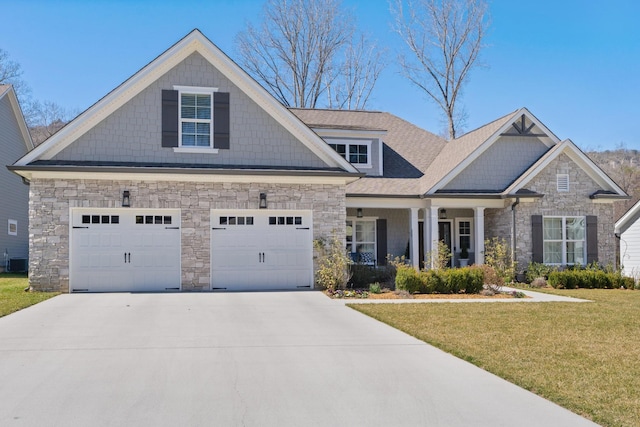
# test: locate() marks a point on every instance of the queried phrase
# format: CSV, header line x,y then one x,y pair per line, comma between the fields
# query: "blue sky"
x,y
574,63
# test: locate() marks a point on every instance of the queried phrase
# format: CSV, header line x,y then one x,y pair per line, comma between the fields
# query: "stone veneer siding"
x,y
575,202
51,200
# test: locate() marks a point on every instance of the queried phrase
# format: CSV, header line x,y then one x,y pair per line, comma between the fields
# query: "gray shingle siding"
x,y
500,165
13,192
133,133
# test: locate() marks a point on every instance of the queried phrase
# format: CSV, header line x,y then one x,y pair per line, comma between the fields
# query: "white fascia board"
x,y
269,178
464,203
193,42
17,111
631,213
488,143
386,202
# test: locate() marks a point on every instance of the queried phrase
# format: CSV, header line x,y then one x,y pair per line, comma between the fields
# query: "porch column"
x,y
479,234
433,234
413,239
426,225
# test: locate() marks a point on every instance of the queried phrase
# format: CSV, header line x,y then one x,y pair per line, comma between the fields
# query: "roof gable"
x,y
579,158
7,92
628,219
463,151
193,42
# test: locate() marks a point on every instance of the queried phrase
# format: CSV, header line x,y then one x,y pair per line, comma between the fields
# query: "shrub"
x,y
408,279
536,270
497,254
590,278
490,277
362,275
375,288
333,264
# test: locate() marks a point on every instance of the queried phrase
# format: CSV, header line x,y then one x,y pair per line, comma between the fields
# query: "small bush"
x,y
497,254
408,279
491,278
536,269
375,288
333,264
590,279
450,281
362,275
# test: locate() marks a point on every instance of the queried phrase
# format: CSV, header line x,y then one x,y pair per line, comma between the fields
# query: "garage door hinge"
x,y
302,228
218,228
171,289
78,226
216,289
79,290
308,286
172,228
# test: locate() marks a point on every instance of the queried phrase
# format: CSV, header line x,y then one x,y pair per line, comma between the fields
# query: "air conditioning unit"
x,y
18,265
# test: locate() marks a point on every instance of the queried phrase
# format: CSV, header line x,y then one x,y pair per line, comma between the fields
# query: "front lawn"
x,y
12,294
583,356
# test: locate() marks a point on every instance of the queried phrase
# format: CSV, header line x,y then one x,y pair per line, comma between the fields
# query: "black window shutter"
x,y
170,118
381,236
592,239
536,238
221,120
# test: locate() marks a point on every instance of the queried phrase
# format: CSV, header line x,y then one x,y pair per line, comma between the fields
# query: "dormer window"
x,y
356,153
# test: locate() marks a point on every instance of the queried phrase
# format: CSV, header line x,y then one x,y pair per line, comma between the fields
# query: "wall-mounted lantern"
x,y
442,214
263,201
359,213
126,201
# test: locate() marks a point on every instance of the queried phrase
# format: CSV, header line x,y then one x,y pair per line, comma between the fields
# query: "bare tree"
x,y
301,49
363,63
46,118
444,38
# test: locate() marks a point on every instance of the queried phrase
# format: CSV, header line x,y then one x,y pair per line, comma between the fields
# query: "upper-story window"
x,y
195,119
355,153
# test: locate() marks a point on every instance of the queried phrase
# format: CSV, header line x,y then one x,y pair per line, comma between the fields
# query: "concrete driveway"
x,y
239,359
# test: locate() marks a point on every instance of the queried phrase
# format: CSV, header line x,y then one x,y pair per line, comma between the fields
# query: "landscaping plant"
x,y
333,271
497,254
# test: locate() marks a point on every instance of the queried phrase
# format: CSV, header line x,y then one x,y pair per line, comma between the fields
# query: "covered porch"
x,y
381,227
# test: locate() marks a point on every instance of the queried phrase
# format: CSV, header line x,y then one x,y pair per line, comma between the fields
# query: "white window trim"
x,y
197,90
9,224
347,143
561,180
456,234
373,219
564,239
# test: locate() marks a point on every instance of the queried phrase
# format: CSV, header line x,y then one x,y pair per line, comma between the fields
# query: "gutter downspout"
x,y
513,231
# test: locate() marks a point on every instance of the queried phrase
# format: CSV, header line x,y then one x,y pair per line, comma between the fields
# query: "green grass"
x,y
583,356
12,294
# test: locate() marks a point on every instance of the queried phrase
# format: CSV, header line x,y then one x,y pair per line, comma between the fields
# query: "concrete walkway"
x,y
240,359
532,296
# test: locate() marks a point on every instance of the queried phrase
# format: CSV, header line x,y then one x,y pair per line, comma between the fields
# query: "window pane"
x,y
552,253
575,253
203,128
188,112
575,228
188,140
203,100
204,113
202,140
465,242
552,229
188,127
365,247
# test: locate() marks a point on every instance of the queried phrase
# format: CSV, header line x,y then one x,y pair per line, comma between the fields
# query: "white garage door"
x,y
261,250
123,250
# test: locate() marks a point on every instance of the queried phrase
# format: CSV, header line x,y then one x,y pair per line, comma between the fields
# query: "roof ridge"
x,y
337,110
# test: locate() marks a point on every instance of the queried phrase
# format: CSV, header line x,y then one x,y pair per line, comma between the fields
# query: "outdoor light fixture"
x,y
126,202
359,213
442,214
263,201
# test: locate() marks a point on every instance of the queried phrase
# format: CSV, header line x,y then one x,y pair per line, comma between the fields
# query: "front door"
x,y
444,235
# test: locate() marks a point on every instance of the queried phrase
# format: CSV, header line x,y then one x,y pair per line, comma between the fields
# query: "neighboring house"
x,y
628,231
191,176
14,193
